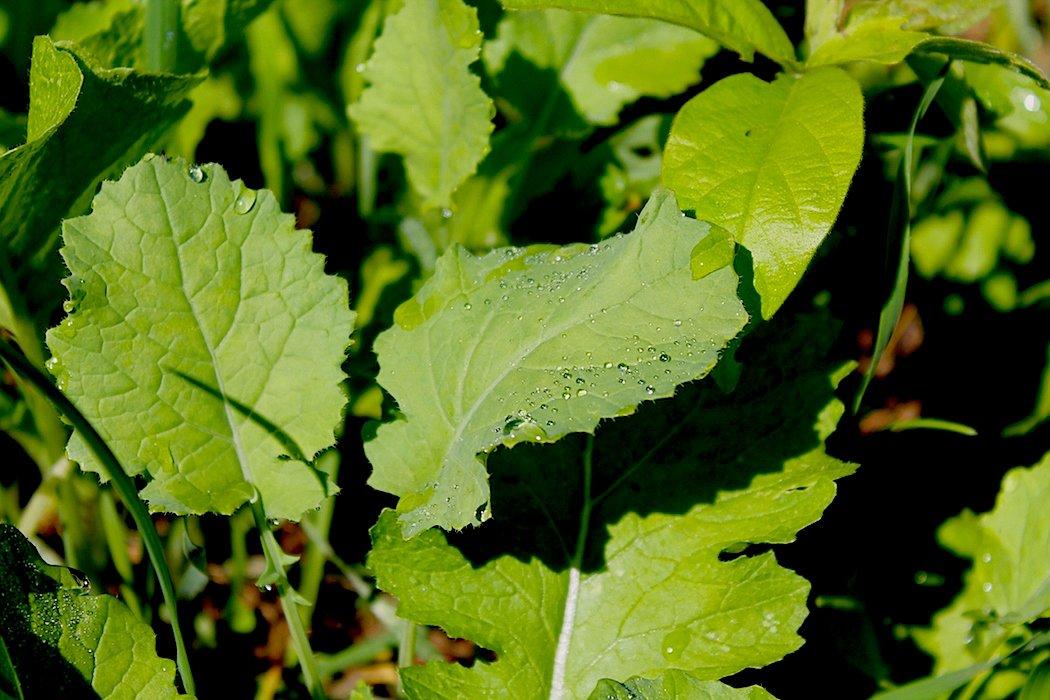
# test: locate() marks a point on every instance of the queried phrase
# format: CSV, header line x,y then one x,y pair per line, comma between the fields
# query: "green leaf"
x,y
770,162
603,63
204,340
424,102
536,343
674,685
628,552
744,26
113,31
887,32
65,642
72,146
1010,578
898,244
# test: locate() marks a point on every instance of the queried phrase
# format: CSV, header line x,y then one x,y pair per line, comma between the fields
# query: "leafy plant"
x,y
608,298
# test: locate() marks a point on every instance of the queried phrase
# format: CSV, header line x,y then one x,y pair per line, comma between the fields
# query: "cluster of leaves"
x,y
596,442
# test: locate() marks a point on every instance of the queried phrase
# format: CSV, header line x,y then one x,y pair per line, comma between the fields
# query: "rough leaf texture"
x,y
204,341
536,343
625,553
674,685
1010,578
64,642
770,162
744,26
424,102
602,62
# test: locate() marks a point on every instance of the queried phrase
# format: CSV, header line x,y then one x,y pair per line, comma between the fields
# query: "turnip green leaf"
x,y
602,62
423,101
770,162
1009,583
64,642
536,343
203,340
744,26
640,548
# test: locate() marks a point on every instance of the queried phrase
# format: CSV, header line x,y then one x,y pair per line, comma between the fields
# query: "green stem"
x,y
275,559
162,24
355,655
122,484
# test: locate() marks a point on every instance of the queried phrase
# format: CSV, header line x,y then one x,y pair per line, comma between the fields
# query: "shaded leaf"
x,y
603,63
64,642
637,549
674,685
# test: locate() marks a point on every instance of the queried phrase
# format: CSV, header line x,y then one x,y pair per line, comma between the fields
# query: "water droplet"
x,y
664,357
580,380
245,201
581,392
359,68
623,367
650,390
468,306
566,395
675,642
987,558
608,365
446,213
69,306
678,322
196,174
1032,102
987,588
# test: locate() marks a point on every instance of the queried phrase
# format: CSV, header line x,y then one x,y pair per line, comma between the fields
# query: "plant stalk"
x,y
296,628
122,484
162,24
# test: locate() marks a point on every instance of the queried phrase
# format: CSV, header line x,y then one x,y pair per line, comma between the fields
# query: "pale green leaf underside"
x,y
170,276
625,572
72,144
537,343
674,685
423,101
770,162
1010,549
64,642
744,26
603,62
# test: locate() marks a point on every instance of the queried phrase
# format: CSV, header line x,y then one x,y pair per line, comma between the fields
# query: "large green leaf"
x,y
536,343
603,63
771,162
72,145
1009,583
64,642
744,26
674,685
424,102
204,340
629,552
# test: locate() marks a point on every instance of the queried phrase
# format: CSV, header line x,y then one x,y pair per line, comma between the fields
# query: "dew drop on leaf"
x,y
245,201
196,174
581,392
650,390
664,357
